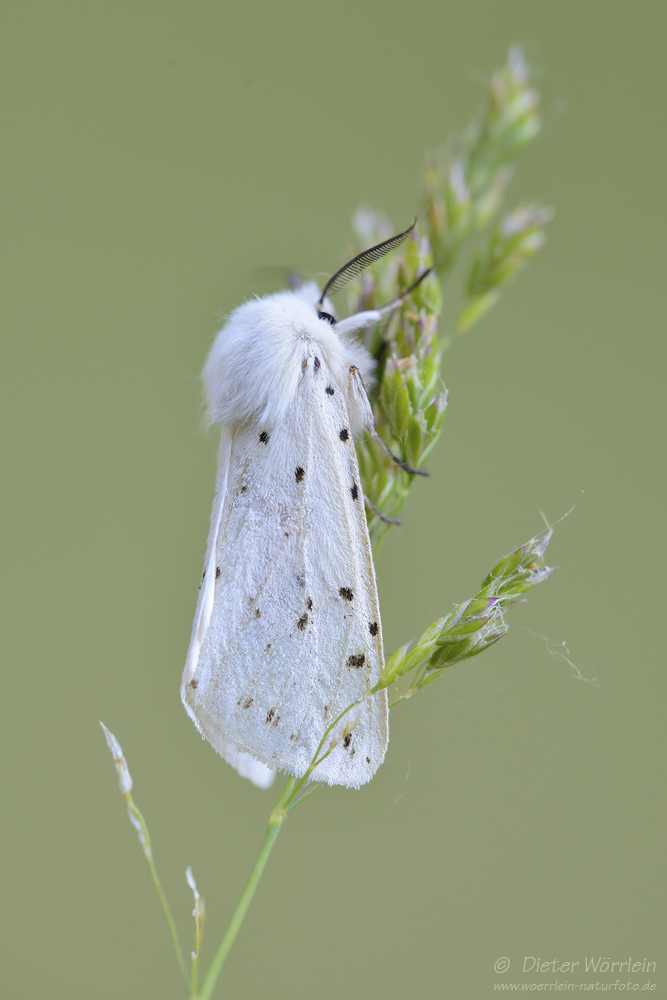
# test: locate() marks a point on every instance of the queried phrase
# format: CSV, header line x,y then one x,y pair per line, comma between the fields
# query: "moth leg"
x,y
380,353
395,458
378,513
362,320
362,415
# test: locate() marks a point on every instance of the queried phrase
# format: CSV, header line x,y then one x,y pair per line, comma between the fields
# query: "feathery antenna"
x,y
362,260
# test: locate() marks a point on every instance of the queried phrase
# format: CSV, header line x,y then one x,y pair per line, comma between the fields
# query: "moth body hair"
x,y
253,368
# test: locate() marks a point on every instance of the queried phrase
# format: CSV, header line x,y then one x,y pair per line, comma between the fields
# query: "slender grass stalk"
x,y
276,819
139,824
198,913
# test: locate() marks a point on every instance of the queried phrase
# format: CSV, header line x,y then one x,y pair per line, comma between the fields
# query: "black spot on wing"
x,y
316,363
270,715
344,434
264,437
217,572
354,491
193,683
302,622
299,473
329,390
347,740
346,593
373,628
356,660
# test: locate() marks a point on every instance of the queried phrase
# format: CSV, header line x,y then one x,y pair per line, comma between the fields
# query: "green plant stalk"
x,y
194,976
288,800
276,820
198,912
139,824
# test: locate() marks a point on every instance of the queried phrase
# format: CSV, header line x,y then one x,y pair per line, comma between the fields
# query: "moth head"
x,y
323,307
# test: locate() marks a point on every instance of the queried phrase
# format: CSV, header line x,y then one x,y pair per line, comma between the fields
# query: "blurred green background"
x,y
156,156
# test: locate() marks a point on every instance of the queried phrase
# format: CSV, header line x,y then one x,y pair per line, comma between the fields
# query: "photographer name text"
x,y
597,963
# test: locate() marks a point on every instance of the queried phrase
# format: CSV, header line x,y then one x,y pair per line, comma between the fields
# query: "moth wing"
x,y
245,764
287,633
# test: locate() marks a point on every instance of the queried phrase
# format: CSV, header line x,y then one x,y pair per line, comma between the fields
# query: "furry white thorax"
x,y
253,368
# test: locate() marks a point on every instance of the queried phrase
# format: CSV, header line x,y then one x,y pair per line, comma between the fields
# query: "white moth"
x,y
287,629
